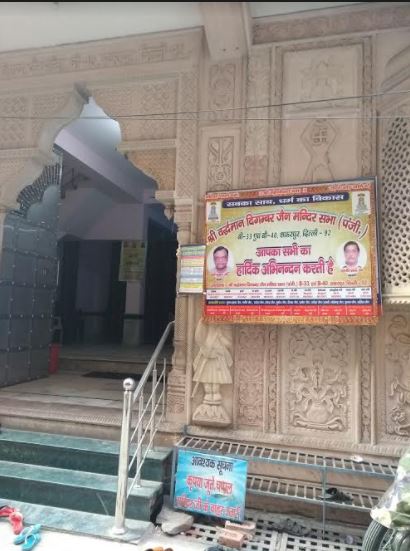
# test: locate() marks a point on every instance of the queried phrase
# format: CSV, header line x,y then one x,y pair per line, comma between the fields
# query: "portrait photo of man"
x,y
220,261
352,257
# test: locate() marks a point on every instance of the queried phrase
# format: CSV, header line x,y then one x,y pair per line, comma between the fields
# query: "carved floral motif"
x,y
398,381
318,388
318,138
222,86
220,163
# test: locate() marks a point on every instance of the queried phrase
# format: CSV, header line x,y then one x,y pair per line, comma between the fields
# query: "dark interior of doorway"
x,y
160,282
74,319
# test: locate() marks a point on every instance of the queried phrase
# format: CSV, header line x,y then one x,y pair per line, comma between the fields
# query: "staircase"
x,y
70,483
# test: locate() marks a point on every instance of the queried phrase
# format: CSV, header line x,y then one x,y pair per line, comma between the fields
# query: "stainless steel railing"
x,y
147,406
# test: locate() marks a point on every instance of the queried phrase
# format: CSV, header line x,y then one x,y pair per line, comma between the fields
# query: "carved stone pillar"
x,y
176,393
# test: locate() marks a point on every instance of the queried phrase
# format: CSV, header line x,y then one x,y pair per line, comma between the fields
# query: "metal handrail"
x,y
147,423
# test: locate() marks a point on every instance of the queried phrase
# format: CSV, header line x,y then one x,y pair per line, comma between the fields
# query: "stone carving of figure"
x,y
212,369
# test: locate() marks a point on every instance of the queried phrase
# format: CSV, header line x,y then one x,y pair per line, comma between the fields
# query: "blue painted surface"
x,y
211,484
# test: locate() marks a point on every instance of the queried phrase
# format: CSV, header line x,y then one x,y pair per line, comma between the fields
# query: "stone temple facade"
x,y
252,114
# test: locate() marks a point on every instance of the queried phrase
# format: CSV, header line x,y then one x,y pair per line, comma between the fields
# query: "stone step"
x,y
77,453
78,490
79,522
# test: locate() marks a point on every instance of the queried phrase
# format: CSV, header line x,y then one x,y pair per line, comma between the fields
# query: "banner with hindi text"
x,y
211,484
305,254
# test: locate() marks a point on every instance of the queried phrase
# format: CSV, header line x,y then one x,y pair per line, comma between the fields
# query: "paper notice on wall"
x,y
191,279
132,264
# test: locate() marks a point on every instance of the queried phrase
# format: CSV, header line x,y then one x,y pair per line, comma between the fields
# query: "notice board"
x,y
303,254
211,484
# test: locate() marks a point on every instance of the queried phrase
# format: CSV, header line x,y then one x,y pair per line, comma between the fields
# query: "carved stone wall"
x,y
318,367
396,205
393,378
257,125
299,108
250,366
321,134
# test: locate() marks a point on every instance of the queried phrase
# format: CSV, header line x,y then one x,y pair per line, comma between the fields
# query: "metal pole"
x,y
153,404
164,388
121,503
139,439
324,485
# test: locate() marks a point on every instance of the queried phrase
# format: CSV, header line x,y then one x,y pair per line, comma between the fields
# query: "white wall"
x,y
38,24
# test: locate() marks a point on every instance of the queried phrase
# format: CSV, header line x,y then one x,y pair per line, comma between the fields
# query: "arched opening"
x,y
109,270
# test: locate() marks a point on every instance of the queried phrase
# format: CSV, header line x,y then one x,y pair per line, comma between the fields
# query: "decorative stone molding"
x,y
273,336
345,20
366,381
134,55
177,377
187,129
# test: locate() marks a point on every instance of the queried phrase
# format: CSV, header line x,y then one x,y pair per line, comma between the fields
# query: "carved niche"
x,y
212,370
306,76
318,378
396,375
222,86
222,91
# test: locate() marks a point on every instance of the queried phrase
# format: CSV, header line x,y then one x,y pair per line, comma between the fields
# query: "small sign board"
x,y
132,263
212,485
191,279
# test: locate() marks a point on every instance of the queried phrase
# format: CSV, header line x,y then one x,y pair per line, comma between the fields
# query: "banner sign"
x,y
132,262
305,254
191,277
211,485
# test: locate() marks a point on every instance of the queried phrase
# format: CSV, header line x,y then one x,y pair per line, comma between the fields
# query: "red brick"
x,y
248,528
230,538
